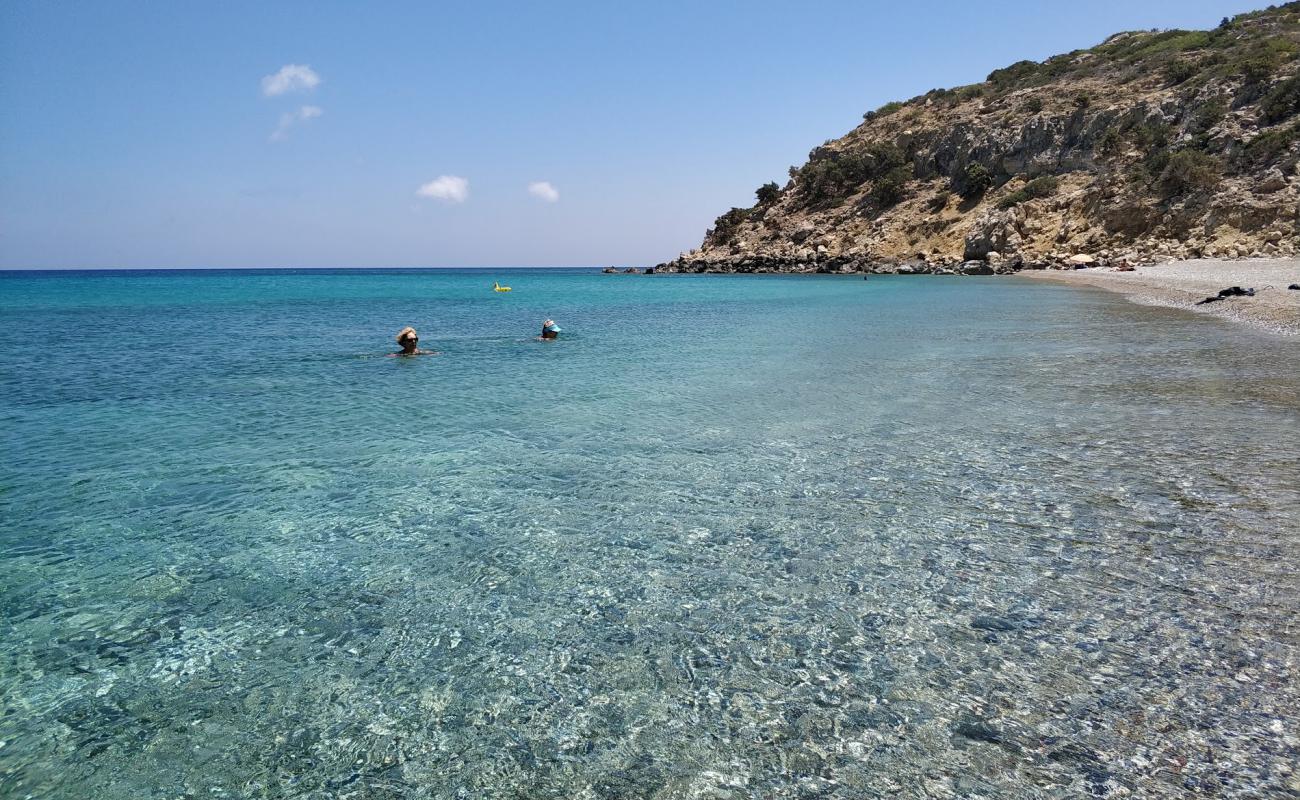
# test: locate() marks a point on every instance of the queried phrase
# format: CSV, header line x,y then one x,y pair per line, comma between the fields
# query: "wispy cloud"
x,y
448,188
290,78
291,118
544,190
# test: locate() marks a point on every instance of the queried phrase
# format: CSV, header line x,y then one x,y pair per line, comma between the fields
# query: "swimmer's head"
x,y
407,338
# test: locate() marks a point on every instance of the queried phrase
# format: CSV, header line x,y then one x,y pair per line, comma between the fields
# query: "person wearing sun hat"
x,y
550,330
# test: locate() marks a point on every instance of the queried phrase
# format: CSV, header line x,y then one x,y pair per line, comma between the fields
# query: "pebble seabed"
x,y
1083,601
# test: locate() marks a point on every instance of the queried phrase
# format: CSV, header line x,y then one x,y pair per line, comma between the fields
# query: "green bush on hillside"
x,y
889,188
1265,148
1206,117
834,176
885,110
1177,72
1110,142
1044,186
768,193
1188,171
1032,105
1150,135
884,156
975,181
724,227
1017,75
1282,101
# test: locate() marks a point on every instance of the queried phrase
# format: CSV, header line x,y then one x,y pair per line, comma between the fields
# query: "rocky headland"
x,y
1152,146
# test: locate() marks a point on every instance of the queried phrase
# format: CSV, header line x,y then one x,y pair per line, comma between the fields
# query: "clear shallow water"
x,y
729,537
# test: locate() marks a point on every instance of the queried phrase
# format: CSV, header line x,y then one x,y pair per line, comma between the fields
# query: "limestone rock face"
x,y
1096,152
994,231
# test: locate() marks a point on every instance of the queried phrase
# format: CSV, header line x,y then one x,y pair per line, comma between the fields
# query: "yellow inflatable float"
x,y
496,287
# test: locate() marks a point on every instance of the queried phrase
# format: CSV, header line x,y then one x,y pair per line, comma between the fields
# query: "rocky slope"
x,y
1149,146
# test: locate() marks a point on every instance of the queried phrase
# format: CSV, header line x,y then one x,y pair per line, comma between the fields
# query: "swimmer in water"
x,y
550,330
407,339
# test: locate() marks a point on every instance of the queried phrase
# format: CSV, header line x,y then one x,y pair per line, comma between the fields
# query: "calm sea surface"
x,y
729,537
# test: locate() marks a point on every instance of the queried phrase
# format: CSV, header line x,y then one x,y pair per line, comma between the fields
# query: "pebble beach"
x,y
1182,284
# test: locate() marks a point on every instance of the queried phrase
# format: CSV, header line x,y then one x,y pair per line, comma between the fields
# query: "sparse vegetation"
x,y
1206,117
1044,186
724,227
1150,135
1267,147
1281,102
832,177
1177,72
975,181
1141,122
1188,171
1110,142
885,110
889,188
1018,74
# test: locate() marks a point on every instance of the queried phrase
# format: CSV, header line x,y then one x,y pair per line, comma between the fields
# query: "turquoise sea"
x,y
728,537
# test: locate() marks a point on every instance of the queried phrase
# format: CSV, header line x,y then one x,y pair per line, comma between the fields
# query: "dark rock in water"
x,y
609,270
630,271
985,622
979,731
649,270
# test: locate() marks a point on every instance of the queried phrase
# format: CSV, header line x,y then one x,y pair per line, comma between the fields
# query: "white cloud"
x,y
544,190
289,119
449,188
290,78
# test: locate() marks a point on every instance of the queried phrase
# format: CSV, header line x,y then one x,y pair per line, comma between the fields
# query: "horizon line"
x,y
254,269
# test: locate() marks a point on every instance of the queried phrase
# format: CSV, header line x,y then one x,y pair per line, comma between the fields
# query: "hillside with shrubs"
x,y
1151,145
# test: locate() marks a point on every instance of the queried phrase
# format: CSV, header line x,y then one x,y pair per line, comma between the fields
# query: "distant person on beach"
x,y
550,330
407,339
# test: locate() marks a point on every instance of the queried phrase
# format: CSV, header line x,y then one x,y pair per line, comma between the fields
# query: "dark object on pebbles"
x,y
1231,291
1294,286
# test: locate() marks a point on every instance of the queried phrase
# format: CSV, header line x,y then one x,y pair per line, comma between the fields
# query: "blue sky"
x,y
147,134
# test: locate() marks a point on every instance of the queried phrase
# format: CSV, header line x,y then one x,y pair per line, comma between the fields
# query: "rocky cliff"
x,y
1151,145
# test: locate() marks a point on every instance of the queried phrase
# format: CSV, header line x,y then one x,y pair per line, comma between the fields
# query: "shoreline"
x,y
1181,284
